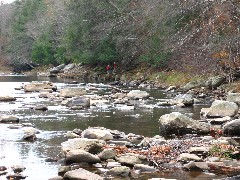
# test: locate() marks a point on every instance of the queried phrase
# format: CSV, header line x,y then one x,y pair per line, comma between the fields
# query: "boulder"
x,y
93,146
81,174
107,154
30,134
18,168
72,92
189,157
97,133
9,119
196,166
177,123
185,99
131,159
16,176
71,134
137,94
63,169
39,86
113,164
214,82
69,67
234,97
79,156
193,84
57,69
232,128
7,98
79,101
41,108
221,108
119,171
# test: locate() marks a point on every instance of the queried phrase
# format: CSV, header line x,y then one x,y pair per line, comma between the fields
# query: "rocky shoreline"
x,y
209,144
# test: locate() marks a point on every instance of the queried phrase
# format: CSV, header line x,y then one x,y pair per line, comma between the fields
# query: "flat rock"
x,y
81,174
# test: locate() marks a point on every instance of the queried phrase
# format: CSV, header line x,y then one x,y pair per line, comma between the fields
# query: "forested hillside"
x,y
197,36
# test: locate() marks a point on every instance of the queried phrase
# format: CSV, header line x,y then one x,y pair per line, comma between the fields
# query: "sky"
x,y
7,1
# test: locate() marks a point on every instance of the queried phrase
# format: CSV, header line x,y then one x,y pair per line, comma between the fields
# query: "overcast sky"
x,y
7,1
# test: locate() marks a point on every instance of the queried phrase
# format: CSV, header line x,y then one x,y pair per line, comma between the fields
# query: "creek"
x,y
53,123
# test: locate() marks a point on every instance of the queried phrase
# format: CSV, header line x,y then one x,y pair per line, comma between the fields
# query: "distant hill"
x,y
196,36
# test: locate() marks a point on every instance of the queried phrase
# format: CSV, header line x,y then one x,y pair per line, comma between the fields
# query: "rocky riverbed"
x,y
208,145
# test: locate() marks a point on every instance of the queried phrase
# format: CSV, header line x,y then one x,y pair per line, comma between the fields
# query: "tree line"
x,y
160,33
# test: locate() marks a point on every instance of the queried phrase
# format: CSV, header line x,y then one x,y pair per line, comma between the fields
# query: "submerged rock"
x,y
39,86
7,98
72,92
18,168
144,168
9,119
79,101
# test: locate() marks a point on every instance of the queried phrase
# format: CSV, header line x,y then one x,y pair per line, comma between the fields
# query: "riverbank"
x,y
137,75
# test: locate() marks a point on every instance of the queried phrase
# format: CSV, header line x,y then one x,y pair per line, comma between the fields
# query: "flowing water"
x,y
53,123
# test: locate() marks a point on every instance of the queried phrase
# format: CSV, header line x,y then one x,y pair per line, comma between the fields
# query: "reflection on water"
x,y
58,120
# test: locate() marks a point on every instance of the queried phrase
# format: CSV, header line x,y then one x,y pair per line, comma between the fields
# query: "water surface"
x,y
53,123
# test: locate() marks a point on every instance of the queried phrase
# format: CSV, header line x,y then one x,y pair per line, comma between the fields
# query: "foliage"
x,y
222,151
20,42
186,18
180,35
106,51
42,53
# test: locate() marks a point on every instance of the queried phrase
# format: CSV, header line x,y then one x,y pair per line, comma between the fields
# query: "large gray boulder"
x,y
131,159
72,92
193,84
214,82
93,146
232,128
97,133
137,94
221,108
39,86
79,156
69,67
79,174
57,69
177,123
234,97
